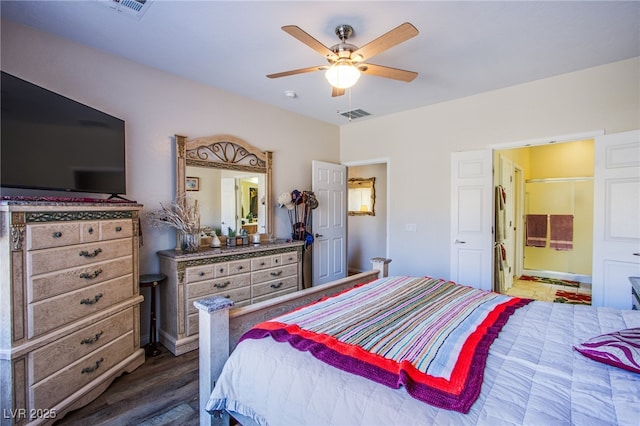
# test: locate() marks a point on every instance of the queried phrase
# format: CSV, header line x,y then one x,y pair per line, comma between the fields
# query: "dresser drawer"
x,y
63,309
239,267
55,356
49,260
55,388
289,258
55,283
208,288
57,234
272,287
115,229
240,297
274,274
260,263
199,273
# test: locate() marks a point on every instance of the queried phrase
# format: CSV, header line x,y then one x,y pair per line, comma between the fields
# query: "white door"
x,y
616,230
472,218
329,222
228,204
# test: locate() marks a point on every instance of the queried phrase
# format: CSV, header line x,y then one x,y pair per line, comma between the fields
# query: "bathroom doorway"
x,y
551,185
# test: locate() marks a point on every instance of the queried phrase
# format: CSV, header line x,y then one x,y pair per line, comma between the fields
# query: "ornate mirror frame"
x,y
357,184
224,152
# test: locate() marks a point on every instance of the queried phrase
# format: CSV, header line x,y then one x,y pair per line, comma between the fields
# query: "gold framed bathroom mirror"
x,y
234,182
362,196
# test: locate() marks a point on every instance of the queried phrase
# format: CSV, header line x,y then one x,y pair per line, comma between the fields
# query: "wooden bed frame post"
x,y
214,350
381,264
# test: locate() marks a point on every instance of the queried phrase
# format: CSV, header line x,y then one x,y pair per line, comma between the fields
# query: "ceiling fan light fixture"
x,y
342,75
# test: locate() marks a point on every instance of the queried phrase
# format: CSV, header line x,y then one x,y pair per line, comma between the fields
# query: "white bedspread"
x,y
532,377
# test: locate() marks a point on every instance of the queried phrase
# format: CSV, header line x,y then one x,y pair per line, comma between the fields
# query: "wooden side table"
x,y
152,281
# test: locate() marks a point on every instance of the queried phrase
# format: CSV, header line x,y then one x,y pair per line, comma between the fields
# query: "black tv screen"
x,y
51,142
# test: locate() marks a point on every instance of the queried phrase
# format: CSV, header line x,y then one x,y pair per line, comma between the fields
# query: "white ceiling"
x,y
463,48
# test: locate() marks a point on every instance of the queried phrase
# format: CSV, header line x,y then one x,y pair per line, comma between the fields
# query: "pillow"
x,y
619,348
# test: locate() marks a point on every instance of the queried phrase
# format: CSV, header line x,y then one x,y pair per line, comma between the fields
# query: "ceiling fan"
x,y
346,61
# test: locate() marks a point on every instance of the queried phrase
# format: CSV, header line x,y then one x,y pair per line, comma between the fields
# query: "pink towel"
x,y
537,230
561,231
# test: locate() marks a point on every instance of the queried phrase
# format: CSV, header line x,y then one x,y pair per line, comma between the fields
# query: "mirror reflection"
x,y
362,196
230,199
231,181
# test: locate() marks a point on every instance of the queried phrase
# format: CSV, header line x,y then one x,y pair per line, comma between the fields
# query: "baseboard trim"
x,y
581,278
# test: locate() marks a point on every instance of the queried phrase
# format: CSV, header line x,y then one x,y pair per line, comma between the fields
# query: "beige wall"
x,y
157,105
367,235
419,143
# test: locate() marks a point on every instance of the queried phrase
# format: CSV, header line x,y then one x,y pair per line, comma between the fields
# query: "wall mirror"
x,y
233,178
362,196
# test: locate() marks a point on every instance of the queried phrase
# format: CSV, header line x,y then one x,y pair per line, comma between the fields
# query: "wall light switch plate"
x,y
410,227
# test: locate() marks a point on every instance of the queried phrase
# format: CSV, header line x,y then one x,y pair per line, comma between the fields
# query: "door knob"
x,y
459,242
318,235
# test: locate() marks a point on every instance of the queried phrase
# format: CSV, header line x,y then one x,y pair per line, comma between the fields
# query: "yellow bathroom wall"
x,y
553,188
561,160
563,197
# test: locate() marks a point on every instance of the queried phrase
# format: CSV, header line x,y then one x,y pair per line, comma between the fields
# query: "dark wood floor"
x,y
162,391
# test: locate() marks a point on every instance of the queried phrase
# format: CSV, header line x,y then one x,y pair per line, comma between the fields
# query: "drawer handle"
x,y
92,368
90,230
201,274
291,258
262,263
91,301
276,274
275,260
240,267
96,252
221,270
57,234
90,340
91,276
118,228
223,285
277,285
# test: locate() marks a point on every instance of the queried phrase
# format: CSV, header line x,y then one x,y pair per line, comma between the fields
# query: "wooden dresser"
x,y
69,305
244,274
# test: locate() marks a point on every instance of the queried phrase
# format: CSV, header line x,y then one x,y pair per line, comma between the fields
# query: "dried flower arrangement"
x,y
182,214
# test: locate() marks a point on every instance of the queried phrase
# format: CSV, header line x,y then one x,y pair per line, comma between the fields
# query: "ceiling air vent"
x,y
133,8
354,113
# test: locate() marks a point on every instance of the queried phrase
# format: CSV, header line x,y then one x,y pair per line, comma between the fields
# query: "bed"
x,y
524,368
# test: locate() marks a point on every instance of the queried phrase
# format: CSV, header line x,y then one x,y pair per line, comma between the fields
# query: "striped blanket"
x,y
430,336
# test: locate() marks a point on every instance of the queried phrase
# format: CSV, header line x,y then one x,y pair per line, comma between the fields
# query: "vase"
x,y
190,241
215,242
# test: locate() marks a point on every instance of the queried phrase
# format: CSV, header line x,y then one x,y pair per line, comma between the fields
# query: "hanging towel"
x,y
561,231
537,230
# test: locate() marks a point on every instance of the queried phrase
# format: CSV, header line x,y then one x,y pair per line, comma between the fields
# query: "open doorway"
x,y
547,191
367,234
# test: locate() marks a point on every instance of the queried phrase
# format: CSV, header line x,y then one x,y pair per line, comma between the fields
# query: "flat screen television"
x,y
51,142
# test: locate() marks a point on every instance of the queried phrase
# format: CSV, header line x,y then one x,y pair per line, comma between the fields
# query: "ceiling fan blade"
x,y
294,72
304,37
388,72
386,41
336,92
